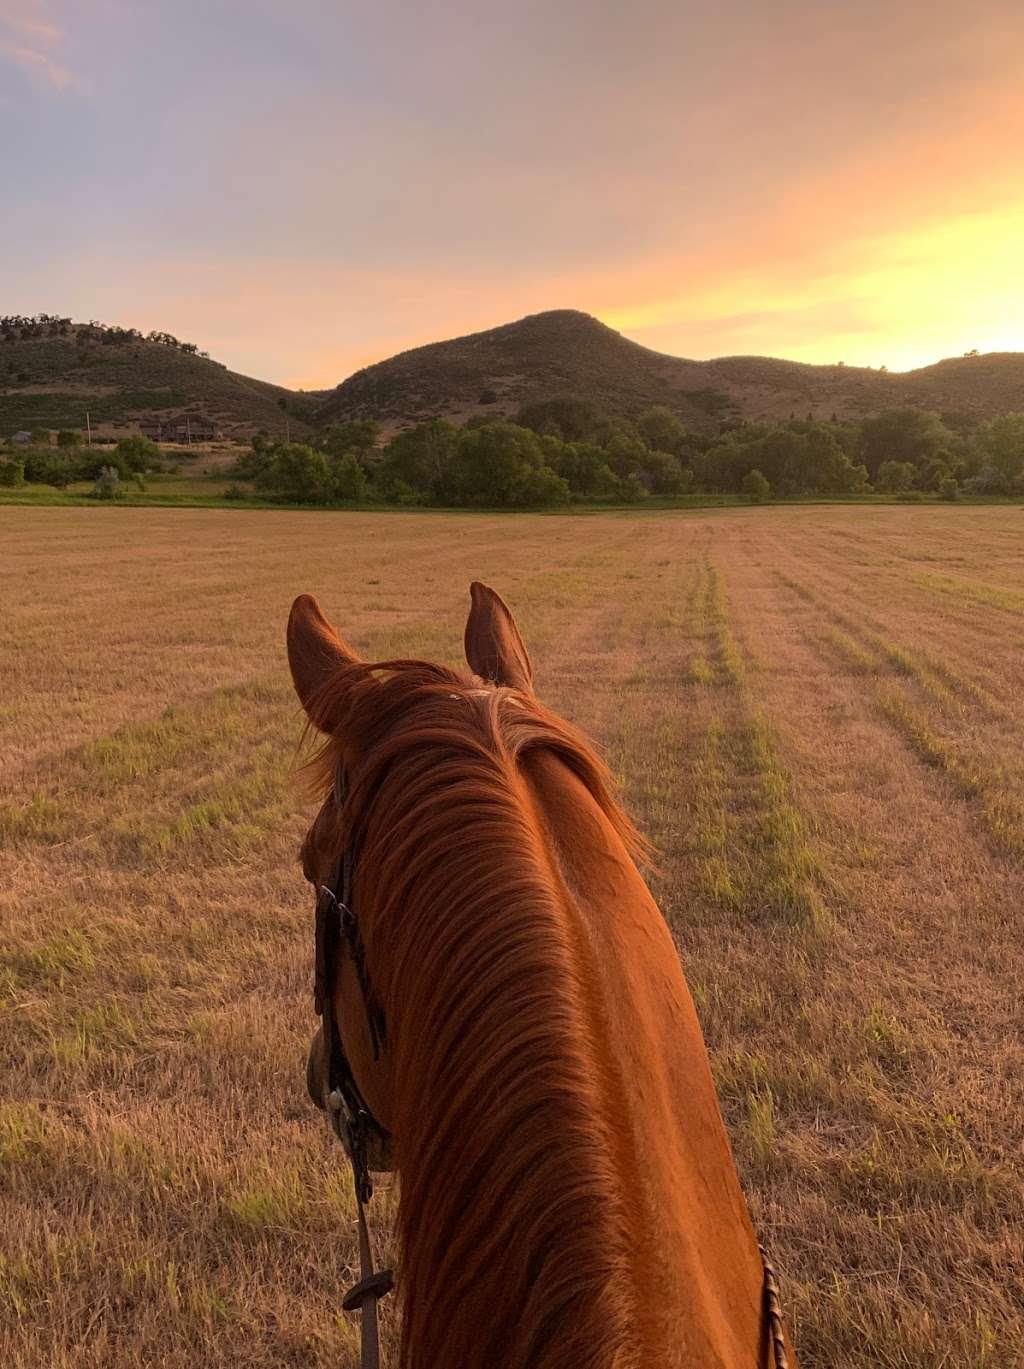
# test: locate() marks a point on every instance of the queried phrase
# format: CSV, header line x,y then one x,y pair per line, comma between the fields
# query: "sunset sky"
x,y
303,188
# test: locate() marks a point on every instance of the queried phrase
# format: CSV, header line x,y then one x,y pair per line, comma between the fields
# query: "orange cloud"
x,y
32,33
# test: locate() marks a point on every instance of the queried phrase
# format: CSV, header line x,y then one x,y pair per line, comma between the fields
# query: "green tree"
x,y
419,460
296,474
662,473
907,434
357,435
1000,443
662,431
502,465
566,416
582,466
40,437
67,437
348,479
12,473
895,476
136,454
948,489
756,487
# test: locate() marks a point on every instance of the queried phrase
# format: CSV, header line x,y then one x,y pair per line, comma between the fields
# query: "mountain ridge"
x,y
565,351
50,377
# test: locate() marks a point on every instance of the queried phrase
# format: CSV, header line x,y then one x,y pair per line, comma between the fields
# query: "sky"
x,y
303,188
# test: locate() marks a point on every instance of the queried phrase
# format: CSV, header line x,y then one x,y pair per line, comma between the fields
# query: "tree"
x,y
358,435
349,480
908,434
296,474
136,454
567,416
12,473
40,437
662,473
756,487
503,465
418,459
948,489
895,476
989,480
582,465
1000,443
67,437
662,431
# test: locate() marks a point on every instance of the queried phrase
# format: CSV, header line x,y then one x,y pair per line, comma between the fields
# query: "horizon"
x,y
306,194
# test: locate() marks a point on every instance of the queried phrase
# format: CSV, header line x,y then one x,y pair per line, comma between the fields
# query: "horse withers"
x,y
516,1024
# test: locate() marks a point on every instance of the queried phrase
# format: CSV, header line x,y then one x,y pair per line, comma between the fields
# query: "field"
x,y
814,712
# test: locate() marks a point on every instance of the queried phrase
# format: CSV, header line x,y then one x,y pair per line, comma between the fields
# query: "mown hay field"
x,y
815,713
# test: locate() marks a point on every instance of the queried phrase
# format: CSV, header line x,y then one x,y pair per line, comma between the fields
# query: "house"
x,y
186,428
21,439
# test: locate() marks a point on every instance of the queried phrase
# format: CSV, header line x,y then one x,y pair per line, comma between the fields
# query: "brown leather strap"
x,y
773,1311
364,1295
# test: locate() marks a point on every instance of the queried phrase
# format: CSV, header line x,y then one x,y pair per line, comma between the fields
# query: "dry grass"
x,y
818,730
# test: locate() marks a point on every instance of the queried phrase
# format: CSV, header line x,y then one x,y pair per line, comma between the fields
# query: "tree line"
x,y
566,450
561,450
25,328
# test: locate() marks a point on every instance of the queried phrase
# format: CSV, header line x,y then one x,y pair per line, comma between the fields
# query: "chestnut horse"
x,y
568,1198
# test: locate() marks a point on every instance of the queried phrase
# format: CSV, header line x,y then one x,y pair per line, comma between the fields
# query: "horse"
x,y
516,1022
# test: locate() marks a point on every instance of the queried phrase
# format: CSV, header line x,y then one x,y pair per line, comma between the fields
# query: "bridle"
x,y
352,1120
350,1116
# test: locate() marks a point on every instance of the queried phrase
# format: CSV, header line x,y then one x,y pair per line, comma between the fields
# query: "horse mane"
x,y
510,1216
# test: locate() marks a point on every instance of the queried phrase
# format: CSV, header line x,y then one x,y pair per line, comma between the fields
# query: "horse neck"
x,y
542,1222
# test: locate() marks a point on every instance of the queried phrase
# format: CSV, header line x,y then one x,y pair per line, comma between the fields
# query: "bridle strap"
x,y
773,1311
350,1116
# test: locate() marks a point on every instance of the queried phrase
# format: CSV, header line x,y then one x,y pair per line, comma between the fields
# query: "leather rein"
x,y
350,1116
352,1120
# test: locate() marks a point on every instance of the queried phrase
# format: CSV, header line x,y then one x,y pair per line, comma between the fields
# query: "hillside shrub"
x,y
948,489
12,473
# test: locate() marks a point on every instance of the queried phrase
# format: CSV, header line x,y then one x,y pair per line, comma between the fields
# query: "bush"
x,y
235,492
948,489
67,437
12,473
756,487
108,484
49,468
989,480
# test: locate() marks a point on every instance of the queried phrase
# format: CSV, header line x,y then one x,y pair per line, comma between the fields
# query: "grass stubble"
x,y
847,916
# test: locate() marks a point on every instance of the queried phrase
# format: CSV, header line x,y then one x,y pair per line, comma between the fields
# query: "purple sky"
x,y
304,188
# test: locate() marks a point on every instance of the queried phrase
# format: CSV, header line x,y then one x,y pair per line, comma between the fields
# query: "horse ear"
x,y
494,648
316,653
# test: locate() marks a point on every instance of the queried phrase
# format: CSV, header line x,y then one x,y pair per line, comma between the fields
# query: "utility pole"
x,y
88,430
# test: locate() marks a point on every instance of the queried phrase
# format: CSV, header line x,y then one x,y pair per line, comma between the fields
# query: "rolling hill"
x,y
50,382
567,352
124,380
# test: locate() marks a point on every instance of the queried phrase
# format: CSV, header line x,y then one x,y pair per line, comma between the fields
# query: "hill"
x,y
567,352
49,379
